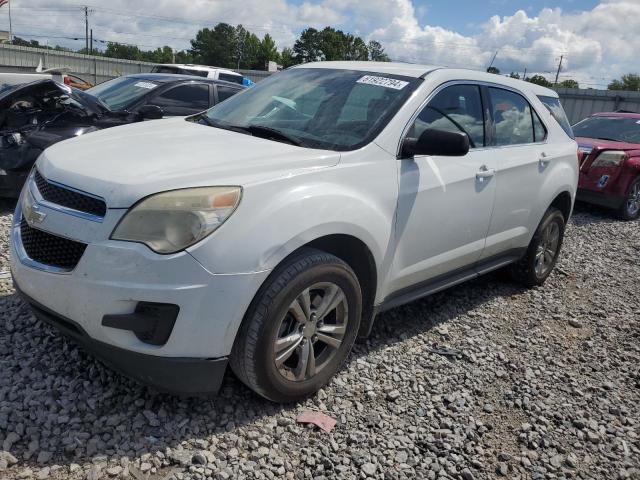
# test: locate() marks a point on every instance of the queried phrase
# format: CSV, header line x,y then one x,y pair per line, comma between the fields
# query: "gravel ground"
x,y
486,380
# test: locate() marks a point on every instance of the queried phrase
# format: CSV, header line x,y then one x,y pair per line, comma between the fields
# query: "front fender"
x,y
276,218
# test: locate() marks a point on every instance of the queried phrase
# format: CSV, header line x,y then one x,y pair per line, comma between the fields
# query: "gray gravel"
x,y
484,381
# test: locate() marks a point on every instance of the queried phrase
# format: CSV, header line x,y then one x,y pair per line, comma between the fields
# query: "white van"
x,y
200,71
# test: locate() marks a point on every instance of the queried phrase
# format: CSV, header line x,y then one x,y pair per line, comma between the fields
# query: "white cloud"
x,y
596,45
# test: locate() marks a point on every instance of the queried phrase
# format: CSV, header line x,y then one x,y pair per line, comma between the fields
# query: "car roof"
x,y
176,77
618,114
421,71
202,68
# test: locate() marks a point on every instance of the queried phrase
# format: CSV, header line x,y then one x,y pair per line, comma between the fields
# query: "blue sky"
x,y
447,14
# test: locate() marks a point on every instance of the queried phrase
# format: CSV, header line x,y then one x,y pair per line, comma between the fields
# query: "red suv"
x,y
609,152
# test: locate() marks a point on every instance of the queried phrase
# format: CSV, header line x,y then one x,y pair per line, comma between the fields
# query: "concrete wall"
x,y
579,104
16,59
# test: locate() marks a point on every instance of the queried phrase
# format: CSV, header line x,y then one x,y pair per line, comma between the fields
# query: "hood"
x,y
125,164
44,88
587,144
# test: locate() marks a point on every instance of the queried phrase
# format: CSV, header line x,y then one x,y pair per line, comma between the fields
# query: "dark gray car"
x,y
39,114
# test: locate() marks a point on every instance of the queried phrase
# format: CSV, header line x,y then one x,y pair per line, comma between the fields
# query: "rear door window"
x,y
183,100
512,118
226,92
558,113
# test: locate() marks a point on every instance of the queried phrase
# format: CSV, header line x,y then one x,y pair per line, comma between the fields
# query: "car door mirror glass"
x,y
150,112
436,142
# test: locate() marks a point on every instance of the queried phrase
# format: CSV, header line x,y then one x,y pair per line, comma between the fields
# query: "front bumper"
x,y
604,199
176,375
112,278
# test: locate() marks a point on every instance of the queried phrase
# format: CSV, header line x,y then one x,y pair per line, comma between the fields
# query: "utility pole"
x,y
493,60
86,28
524,76
91,43
559,68
10,26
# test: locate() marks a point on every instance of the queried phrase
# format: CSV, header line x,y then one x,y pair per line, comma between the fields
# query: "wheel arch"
x,y
359,256
355,253
564,203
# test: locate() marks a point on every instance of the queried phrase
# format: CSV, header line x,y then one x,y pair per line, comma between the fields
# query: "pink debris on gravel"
x,y
323,421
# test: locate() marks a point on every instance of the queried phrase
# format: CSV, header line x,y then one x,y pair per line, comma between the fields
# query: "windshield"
x,y
315,107
619,129
121,93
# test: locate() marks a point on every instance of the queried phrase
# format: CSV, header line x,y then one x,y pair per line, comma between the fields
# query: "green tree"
x,y
630,81
493,70
569,83
287,57
514,75
376,52
268,51
247,50
126,52
307,47
540,80
159,55
184,57
216,47
354,48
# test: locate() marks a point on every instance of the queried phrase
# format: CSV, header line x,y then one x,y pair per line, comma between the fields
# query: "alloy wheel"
x,y
633,200
311,332
547,249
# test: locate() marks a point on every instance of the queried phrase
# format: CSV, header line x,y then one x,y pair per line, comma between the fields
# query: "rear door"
x,y
523,156
223,92
182,100
445,203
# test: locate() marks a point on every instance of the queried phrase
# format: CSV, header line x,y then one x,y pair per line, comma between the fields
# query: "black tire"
x,y
524,271
625,212
252,357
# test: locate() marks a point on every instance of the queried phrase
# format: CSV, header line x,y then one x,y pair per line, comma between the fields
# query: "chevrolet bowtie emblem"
x,y
33,214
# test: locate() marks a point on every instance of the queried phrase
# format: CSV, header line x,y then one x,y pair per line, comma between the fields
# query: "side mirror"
x,y
150,112
436,142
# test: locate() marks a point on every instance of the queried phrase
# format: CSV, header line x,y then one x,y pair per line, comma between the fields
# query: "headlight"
x,y
612,158
172,221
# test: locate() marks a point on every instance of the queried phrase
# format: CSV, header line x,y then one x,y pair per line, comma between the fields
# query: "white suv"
x,y
268,231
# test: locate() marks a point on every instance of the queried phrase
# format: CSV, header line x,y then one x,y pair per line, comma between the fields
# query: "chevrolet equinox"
x,y
267,232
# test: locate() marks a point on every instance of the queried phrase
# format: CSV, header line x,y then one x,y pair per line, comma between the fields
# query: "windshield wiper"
x,y
224,126
271,133
253,130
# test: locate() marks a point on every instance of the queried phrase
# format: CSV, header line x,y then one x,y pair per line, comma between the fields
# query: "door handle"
x,y
485,172
544,160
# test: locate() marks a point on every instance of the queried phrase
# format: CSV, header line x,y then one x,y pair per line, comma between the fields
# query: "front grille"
x,y
69,198
49,249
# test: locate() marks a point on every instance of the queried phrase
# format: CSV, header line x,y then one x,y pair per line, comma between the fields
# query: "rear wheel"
x,y
300,327
630,208
543,251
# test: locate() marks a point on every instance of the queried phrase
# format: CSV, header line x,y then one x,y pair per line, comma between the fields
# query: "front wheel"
x,y
543,251
630,208
299,328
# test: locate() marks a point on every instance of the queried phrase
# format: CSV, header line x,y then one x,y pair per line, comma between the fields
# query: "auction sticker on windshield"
x,y
383,82
147,85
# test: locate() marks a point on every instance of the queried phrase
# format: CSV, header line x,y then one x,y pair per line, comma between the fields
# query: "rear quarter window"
x,y
558,113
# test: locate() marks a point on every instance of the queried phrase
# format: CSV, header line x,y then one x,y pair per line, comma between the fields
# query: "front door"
x,y
445,203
